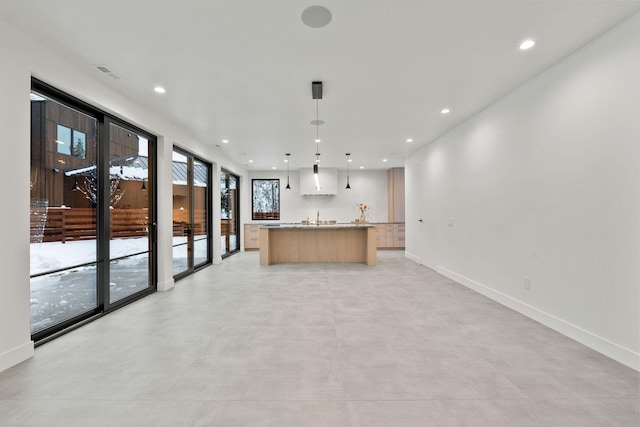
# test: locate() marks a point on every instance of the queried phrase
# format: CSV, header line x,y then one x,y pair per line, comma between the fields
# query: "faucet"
x,y
318,218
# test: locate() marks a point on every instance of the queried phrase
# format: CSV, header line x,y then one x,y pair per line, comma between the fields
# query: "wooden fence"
x,y
65,224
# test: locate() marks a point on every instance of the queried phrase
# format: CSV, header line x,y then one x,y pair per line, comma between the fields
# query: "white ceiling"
x,y
242,69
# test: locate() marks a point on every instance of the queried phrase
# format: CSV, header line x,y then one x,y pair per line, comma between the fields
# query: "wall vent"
x,y
109,72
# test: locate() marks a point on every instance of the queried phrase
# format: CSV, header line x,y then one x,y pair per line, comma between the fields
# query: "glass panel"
x,y
229,213
181,213
234,244
63,215
129,227
64,140
79,143
224,212
200,214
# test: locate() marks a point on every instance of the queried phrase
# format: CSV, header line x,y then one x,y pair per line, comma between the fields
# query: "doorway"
x,y
92,220
191,213
229,213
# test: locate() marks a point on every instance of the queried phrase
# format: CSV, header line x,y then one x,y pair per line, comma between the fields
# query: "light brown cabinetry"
x,y
398,236
390,236
395,191
251,237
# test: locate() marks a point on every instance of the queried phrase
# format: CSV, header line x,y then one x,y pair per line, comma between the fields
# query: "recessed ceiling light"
x,y
350,160
225,141
445,111
159,89
286,160
527,44
317,140
384,160
250,161
273,167
361,167
409,140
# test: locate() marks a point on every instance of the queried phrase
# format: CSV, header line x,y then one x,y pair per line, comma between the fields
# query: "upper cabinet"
x,y
328,182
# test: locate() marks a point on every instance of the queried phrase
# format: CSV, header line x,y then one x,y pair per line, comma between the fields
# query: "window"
x,y
92,192
265,199
71,142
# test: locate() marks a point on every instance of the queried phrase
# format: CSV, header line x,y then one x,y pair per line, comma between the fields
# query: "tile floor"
x,y
317,345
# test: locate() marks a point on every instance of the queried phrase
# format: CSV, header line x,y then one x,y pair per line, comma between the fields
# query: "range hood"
x,y
328,182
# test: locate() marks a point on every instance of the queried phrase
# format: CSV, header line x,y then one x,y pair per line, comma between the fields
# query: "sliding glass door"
x,y
191,213
92,212
64,245
130,225
229,213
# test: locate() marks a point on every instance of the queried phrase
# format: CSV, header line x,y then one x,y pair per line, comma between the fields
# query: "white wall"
x,y
368,187
15,345
22,58
545,184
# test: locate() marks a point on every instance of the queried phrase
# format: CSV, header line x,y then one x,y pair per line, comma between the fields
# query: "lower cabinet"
x,y
390,236
398,236
251,237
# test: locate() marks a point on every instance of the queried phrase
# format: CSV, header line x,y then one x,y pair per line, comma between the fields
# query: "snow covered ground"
x,y
62,295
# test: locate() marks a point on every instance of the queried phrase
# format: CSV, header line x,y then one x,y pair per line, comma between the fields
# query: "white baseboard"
x,y
610,349
16,355
166,285
412,257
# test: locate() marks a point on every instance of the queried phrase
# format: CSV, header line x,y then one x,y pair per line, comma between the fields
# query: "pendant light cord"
x,y
317,133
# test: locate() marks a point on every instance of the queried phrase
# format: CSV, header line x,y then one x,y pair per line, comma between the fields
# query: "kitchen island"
x,y
318,243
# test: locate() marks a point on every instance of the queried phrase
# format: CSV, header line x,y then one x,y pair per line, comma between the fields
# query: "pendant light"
x,y
348,187
316,93
288,187
316,174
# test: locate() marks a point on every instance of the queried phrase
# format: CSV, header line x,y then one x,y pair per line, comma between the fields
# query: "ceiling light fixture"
x,y
159,89
348,187
288,187
316,93
316,16
316,177
225,141
527,44
445,111
409,140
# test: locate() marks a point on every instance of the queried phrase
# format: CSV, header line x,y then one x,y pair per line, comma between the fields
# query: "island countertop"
x,y
324,243
318,227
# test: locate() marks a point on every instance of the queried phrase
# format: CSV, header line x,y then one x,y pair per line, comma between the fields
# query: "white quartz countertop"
x,y
318,227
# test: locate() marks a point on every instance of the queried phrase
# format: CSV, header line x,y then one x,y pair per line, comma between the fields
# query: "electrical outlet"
x,y
527,283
